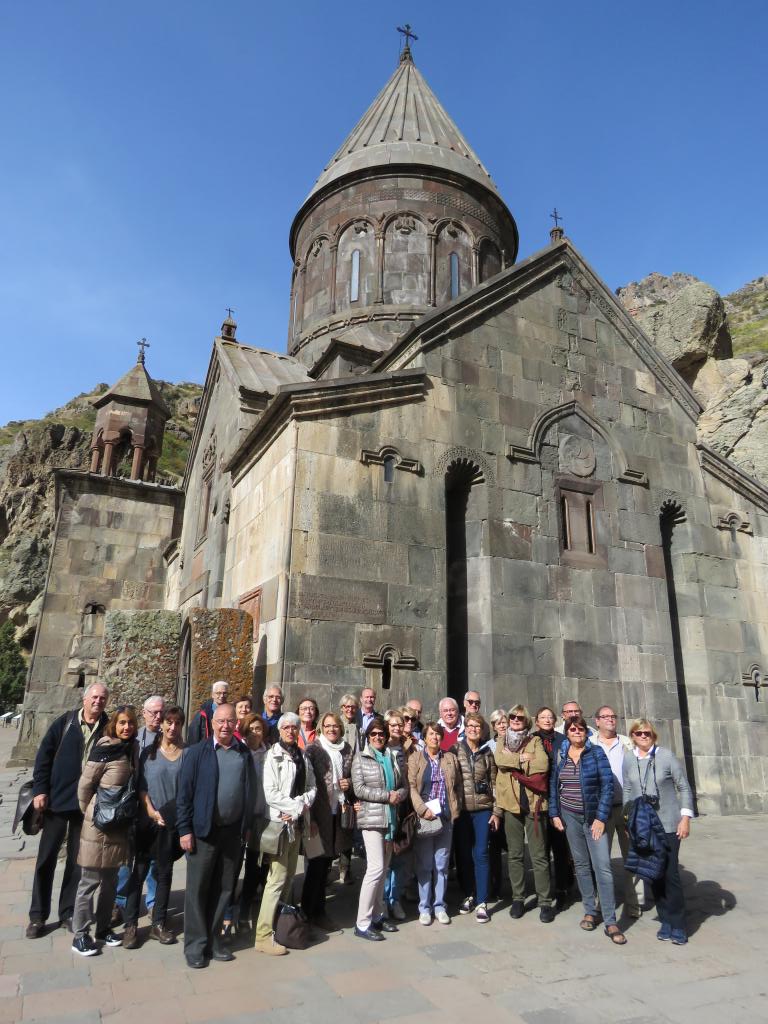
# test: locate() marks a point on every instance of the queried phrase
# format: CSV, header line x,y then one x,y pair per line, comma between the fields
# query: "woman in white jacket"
x,y
289,790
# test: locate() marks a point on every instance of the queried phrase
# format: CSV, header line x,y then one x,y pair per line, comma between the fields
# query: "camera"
x,y
482,788
652,800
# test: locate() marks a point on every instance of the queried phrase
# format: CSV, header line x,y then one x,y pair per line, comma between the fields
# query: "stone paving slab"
x,y
508,972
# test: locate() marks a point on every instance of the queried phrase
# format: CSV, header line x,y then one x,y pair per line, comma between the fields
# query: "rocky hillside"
x,y
720,347
747,311
29,450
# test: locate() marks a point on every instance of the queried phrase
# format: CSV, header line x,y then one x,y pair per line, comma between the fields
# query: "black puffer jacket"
x,y
479,767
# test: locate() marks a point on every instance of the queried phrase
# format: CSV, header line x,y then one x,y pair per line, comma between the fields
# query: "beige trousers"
x,y
278,887
378,852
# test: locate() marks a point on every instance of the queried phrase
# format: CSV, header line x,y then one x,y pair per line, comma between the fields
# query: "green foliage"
x,y
750,337
13,669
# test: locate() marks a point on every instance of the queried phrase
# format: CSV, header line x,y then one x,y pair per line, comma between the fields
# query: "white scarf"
x,y
333,750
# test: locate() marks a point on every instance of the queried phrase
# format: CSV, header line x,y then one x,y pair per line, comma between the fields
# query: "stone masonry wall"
x,y
221,648
140,655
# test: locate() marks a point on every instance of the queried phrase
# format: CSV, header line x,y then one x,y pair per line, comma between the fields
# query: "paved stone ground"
x,y
522,972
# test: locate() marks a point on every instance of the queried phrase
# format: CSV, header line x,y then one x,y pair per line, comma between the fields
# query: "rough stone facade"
x,y
140,655
220,647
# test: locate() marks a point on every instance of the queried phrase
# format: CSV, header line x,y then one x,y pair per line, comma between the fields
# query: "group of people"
x,y
251,791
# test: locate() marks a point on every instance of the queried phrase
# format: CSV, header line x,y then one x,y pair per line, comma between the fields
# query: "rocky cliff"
x,y
720,347
29,451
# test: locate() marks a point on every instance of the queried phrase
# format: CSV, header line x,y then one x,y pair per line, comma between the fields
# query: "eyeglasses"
x,y
473,725
376,736
474,703
409,718
308,707
291,727
607,716
642,732
349,707
332,726
517,718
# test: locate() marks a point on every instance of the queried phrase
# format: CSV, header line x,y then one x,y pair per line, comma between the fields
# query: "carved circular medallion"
x,y
577,456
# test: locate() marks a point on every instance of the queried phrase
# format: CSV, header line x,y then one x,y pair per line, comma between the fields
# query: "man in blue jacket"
x,y
214,810
63,752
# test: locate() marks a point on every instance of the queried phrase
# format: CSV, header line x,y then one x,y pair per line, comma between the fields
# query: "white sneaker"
x,y
482,914
396,911
425,918
442,917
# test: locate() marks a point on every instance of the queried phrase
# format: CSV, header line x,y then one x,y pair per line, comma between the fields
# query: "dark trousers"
x,y
56,828
470,843
668,890
496,846
161,846
211,873
255,875
561,857
313,890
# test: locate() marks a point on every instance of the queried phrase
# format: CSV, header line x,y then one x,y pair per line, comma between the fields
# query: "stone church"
x,y
470,470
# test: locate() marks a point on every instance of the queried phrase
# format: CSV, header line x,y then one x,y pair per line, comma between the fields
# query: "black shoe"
x,y
109,938
222,954
85,946
369,933
195,963
383,925
547,915
517,909
35,929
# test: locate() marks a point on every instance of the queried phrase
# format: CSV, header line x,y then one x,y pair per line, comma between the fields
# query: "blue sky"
x,y
154,155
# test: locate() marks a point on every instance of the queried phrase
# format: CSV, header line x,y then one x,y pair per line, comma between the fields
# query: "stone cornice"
x,y
98,484
325,398
515,283
730,475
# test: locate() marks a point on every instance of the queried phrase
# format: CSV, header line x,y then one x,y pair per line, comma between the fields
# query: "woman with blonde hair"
x,y
656,773
521,787
112,764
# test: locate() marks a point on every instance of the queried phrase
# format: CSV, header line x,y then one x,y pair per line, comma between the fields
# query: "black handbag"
x,y
116,806
292,929
31,821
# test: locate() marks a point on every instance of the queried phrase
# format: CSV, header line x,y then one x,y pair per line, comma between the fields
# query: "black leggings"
x,y
162,846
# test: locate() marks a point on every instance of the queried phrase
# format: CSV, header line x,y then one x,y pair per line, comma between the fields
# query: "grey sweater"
x,y
671,785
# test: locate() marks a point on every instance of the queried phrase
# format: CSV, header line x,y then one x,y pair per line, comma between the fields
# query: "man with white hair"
x,y
60,759
452,723
200,726
152,713
273,698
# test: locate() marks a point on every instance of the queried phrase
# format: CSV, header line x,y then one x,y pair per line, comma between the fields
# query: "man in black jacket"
x,y
200,726
63,752
214,811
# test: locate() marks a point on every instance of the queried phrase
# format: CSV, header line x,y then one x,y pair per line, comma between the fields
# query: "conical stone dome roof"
x,y
405,124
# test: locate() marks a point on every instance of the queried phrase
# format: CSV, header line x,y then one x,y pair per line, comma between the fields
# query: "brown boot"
x,y
162,934
131,937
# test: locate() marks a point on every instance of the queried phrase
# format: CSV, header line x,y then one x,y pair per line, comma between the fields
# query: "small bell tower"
x,y
130,423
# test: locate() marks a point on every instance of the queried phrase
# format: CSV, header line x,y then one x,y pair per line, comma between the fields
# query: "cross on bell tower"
x,y
405,54
143,344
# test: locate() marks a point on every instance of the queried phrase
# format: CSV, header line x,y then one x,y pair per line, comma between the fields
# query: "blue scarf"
x,y
385,763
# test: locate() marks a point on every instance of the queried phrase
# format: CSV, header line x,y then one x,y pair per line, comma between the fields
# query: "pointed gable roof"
x,y
405,124
135,386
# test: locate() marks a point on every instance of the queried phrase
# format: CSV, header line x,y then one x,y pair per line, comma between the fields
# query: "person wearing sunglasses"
x,y
655,772
377,781
580,800
521,756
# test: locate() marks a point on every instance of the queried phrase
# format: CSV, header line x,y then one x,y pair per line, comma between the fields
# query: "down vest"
x,y
368,784
105,767
479,767
596,783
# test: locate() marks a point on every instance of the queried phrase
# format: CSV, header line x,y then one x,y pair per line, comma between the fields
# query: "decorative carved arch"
x,y
388,220
735,522
442,225
542,426
467,458
377,457
340,229
323,236
388,652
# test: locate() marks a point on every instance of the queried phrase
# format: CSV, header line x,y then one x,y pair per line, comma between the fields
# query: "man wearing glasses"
x,y
273,698
615,744
417,708
572,709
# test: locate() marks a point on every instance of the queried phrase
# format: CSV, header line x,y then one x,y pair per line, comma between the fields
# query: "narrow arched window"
x,y
590,524
389,469
354,281
454,263
565,525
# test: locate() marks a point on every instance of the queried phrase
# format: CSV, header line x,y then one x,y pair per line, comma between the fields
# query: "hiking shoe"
x,y
665,932
85,946
481,914
35,929
270,947
109,938
425,918
442,916
163,935
396,911
131,937
517,909
468,905
678,936
547,915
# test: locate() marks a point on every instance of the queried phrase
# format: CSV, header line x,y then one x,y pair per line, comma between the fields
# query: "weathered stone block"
x,y
140,655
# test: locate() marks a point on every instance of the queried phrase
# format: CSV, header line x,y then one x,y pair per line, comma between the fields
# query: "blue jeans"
x,y
393,885
589,855
432,854
123,877
472,852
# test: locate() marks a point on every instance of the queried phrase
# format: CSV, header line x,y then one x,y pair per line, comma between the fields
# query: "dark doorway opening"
x,y
671,515
458,484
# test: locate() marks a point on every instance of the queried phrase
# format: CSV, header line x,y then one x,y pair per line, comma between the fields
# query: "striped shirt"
x,y
571,797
